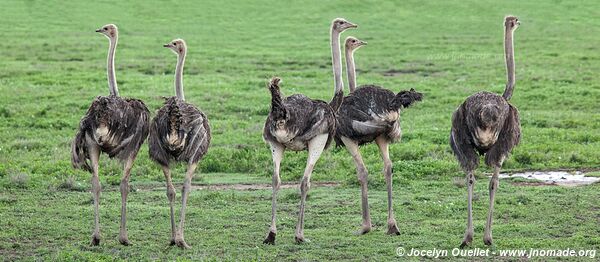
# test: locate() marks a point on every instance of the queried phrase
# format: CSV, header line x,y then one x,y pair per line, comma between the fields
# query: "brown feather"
x,y
118,126
189,126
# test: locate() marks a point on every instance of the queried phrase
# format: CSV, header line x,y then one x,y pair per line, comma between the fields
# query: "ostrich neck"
x,y
509,53
110,67
179,75
351,69
336,57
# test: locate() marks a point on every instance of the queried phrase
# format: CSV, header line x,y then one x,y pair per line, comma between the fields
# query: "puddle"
x,y
560,178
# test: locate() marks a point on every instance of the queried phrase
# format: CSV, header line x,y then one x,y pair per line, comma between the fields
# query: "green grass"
x,y
231,224
593,174
52,64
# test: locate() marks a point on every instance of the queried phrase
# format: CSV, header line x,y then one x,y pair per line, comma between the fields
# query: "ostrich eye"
x,y
106,28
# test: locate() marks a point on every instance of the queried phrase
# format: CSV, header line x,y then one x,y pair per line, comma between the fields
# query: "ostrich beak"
x,y
166,45
363,43
98,30
353,25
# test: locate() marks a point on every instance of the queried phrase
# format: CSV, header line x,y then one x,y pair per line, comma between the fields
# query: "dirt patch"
x,y
560,178
244,187
419,71
259,186
523,183
538,178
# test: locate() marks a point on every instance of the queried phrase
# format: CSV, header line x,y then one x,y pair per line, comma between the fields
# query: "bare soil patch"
x,y
244,187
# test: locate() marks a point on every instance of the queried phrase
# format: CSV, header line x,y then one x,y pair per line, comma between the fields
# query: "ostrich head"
x,y
275,81
340,25
109,31
352,43
511,22
405,99
178,46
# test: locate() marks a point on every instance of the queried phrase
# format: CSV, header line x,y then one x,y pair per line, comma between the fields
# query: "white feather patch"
x,y
368,127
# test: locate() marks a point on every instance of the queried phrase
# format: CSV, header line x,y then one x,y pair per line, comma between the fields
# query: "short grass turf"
x,y
55,224
52,65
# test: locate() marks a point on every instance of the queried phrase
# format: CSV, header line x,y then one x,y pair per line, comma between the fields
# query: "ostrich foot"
x,y
301,240
270,240
95,240
467,240
124,241
487,240
393,229
364,229
180,242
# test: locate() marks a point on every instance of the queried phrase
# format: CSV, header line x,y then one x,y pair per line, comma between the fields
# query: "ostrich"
x,y
299,123
115,126
370,113
487,124
179,132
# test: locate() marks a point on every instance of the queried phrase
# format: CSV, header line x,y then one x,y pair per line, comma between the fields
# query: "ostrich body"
x,y
179,132
487,124
370,113
299,123
115,126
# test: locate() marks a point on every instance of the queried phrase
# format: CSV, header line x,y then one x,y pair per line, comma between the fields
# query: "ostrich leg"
x,y
123,239
94,153
179,239
315,148
361,172
487,237
277,153
383,145
171,196
469,232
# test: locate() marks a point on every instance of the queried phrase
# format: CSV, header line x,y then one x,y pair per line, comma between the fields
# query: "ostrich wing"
x,y
509,137
460,140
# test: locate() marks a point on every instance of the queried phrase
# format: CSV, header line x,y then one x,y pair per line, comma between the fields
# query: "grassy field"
x,y
52,65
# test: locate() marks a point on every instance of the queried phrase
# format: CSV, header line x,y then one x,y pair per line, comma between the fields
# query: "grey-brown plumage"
x,y
487,124
179,132
296,119
370,114
372,111
115,126
118,126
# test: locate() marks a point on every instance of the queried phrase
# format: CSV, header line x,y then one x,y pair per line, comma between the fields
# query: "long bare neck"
x,y
110,67
509,56
336,57
351,69
179,75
